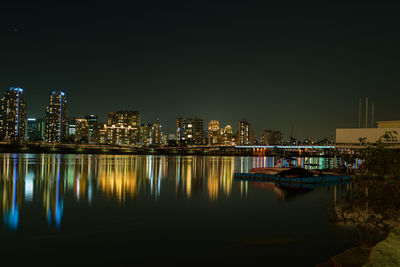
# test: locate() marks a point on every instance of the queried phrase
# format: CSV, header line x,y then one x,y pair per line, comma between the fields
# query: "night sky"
x,y
297,65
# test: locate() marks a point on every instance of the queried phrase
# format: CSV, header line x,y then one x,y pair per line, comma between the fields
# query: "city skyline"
x,y
92,119
238,60
122,127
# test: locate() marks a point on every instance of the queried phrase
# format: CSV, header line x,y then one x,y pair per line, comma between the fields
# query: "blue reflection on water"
x,y
11,216
59,203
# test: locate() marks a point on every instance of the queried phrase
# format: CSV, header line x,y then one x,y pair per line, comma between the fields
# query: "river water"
x,y
147,210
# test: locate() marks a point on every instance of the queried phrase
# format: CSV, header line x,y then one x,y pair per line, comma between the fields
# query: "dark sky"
x,y
283,65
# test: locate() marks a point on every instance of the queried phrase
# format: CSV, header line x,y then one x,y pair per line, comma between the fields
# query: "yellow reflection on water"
x,y
219,176
193,173
49,178
118,177
213,179
124,176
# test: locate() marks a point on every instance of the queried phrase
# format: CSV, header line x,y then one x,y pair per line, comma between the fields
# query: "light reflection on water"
x,y
54,189
120,178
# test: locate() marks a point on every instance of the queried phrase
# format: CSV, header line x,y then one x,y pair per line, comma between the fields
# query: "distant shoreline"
x,y
120,150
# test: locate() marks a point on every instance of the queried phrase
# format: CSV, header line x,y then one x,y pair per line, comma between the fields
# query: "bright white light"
x,y
30,177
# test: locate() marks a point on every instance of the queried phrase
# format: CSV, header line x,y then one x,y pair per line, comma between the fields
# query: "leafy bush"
x,y
373,205
378,159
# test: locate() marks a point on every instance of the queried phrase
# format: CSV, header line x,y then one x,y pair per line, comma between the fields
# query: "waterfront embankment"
x,y
39,148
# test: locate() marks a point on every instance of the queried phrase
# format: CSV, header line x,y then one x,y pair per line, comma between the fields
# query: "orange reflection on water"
x,y
213,179
118,178
188,175
192,172
124,176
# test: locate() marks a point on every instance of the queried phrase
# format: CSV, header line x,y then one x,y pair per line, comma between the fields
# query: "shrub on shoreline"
x,y
373,205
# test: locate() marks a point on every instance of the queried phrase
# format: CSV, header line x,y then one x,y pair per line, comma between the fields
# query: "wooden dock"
x,y
294,180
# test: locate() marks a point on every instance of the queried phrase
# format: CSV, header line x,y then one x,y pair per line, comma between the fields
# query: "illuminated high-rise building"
x,y
226,135
56,117
213,133
190,131
13,115
91,119
123,128
164,139
35,129
71,128
81,130
184,128
145,134
245,133
150,134
99,133
198,131
156,133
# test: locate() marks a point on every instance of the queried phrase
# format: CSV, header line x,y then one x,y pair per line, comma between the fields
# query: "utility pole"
x,y
366,112
359,112
372,116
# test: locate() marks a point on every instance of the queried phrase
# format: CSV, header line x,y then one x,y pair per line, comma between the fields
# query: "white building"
x,y
352,135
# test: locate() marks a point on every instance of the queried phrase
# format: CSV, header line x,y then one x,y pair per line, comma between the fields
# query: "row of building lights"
x,y
122,127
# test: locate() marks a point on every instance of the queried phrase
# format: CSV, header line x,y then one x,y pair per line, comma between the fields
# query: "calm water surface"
x,y
128,210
